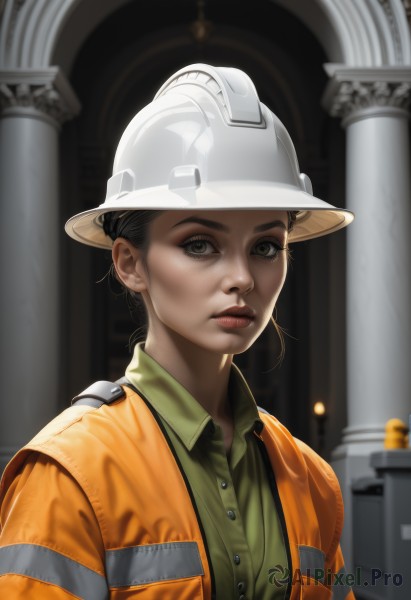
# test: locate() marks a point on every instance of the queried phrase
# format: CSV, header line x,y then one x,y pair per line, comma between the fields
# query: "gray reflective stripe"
x,y
312,562
52,567
151,563
340,589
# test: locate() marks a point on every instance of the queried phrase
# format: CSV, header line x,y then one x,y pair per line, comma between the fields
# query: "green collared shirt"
x,y
232,493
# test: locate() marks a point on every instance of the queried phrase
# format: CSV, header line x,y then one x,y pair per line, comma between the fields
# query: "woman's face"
x,y
213,277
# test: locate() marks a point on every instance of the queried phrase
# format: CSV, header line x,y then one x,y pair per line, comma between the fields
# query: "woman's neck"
x,y
203,373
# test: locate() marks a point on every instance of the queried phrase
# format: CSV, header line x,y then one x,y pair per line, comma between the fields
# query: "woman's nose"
x,y
238,276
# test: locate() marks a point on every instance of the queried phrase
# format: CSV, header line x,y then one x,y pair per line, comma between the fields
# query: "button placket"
x,y
233,532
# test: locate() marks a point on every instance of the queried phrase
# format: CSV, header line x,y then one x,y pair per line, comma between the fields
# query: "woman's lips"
x,y
236,317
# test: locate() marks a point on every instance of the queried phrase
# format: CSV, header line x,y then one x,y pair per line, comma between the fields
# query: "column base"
x,y
360,438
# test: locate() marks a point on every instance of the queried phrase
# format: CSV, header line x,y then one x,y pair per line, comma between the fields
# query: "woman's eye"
x,y
266,249
198,247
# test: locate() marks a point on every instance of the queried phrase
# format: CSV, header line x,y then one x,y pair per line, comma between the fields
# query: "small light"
x,y
319,409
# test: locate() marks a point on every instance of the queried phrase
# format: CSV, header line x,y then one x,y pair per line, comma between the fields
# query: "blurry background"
x,y
337,73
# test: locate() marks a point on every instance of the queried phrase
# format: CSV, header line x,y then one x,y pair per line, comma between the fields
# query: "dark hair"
x,y
292,215
131,225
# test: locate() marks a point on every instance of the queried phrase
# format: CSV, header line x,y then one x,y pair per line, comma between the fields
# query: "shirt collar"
x,y
188,419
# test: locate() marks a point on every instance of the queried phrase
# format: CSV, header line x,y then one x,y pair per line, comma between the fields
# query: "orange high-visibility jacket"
x,y
131,529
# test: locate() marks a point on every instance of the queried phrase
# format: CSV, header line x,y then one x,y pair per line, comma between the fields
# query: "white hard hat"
x,y
206,142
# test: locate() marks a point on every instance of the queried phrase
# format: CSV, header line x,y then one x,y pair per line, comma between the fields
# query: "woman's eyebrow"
x,y
270,225
206,222
220,227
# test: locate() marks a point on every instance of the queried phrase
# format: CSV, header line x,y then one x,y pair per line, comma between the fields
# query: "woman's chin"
x,y
236,346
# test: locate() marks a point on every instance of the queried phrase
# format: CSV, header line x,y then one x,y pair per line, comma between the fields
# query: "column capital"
x,y
356,93
41,93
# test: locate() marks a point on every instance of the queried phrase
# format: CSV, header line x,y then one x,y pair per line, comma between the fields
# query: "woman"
x,y
174,484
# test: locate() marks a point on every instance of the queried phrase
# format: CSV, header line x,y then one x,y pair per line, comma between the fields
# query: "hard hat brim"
x,y
314,216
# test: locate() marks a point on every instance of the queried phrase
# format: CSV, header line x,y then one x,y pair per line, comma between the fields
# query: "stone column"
x,y
33,105
373,106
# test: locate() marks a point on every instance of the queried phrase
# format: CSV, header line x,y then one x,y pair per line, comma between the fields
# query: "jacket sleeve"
x,y
340,580
326,493
50,541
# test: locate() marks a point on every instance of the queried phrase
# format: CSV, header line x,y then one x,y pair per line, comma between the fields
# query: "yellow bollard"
x,y
395,434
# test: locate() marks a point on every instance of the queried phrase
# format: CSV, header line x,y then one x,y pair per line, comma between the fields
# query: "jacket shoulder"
x,y
70,437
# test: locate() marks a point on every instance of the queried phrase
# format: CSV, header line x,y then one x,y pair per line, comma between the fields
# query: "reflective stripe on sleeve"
x,y
43,564
340,589
312,562
152,563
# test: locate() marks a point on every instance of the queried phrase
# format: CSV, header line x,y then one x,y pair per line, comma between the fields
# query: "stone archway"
x,y
357,34
39,34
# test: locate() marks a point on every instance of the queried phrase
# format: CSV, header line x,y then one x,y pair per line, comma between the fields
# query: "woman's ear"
x,y
129,265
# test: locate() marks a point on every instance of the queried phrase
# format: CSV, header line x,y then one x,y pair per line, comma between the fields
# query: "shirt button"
x,y
231,515
237,559
224,485
241,586
242,597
